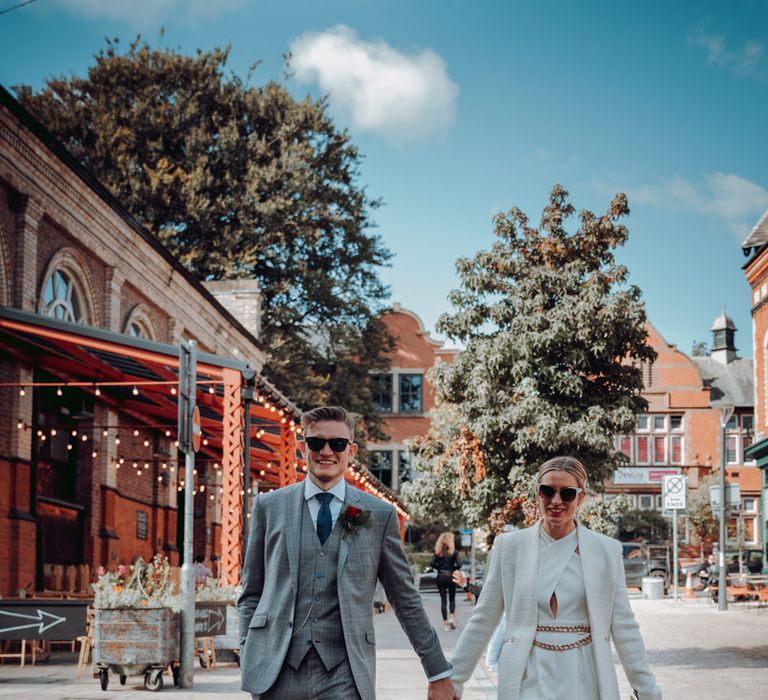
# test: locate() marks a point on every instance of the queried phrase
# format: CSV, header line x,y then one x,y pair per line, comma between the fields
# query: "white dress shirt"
x,y
339,491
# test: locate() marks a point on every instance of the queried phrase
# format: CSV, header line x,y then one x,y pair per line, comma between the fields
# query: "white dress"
x,y
560,675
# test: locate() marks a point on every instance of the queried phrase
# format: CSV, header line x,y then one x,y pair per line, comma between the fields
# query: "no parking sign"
x,y
675,490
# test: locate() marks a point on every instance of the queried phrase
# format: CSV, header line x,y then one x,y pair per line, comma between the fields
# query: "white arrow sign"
x,y
39,621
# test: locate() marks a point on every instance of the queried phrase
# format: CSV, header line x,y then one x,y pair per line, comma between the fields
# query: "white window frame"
x,y
646,418
681,439
663,419
649,450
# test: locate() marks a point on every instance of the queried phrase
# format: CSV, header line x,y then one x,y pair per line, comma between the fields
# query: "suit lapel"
x,y
293,515
352,497
598,581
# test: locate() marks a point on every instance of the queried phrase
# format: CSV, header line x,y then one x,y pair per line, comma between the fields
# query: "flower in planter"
x,y
149,585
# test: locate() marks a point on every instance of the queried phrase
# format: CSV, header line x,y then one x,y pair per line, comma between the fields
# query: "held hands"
x,y
460,578
441,690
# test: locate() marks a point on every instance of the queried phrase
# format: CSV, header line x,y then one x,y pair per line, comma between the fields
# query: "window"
x,y
404,467
660,450
642,422
642,450
62,298
381,392
381,466
645,501
659,502
749,505
625,445
410,393
676,422
676,449
732,423
731,455
747,422
659,423
136,330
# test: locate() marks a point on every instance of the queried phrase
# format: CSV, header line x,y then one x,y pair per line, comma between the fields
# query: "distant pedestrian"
x,y
445,562
202,571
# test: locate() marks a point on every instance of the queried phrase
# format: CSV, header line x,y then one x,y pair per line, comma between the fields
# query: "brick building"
x,y
755,248
404,395
92,311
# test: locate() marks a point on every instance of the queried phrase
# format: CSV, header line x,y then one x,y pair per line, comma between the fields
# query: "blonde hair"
x,y
445,545
571,465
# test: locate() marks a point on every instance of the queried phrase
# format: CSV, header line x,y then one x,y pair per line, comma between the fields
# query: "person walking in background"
x,y
315,552
202,571
445,562
563,591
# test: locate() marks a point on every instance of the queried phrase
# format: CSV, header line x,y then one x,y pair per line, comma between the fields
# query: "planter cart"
x,y
136,641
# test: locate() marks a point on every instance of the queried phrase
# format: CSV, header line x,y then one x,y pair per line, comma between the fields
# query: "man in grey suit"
x,y
314,554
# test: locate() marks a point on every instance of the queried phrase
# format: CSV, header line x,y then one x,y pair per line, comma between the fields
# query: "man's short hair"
x,y
332,413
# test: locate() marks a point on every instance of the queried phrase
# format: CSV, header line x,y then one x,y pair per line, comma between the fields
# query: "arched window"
x,y
66,290
62,298
139,324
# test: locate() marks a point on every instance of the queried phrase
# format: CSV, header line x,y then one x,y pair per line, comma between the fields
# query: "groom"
x,y
314,553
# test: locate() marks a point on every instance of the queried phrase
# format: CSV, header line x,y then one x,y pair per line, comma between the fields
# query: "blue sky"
x,y
465,108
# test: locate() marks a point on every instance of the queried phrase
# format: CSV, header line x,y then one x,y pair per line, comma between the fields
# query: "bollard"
x,y
689,592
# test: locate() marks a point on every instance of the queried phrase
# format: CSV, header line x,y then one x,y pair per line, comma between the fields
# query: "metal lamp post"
x,y
722,595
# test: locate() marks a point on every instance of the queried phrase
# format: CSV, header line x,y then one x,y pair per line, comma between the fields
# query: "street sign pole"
x,y
188,417
722,583
675,495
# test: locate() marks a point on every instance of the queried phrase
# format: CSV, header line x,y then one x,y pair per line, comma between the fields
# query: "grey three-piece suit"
x,y
301,599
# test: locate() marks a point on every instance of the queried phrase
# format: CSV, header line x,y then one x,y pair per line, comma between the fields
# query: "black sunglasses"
x,y
337,444
567,493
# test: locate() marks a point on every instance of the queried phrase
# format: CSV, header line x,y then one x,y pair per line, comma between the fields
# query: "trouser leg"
x,y
443,589
452,597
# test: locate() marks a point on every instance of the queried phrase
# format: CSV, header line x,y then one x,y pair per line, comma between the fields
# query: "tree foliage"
x,y
644,524
239,181
554,339
701,519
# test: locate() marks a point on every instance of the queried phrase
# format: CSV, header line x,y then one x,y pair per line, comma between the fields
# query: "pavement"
x,y
695,651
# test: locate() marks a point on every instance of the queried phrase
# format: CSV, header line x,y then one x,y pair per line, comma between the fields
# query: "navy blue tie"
x,y
324,520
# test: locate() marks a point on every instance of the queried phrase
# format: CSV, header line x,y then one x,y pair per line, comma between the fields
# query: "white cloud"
x,y
734,199
150,14
402,97
744,61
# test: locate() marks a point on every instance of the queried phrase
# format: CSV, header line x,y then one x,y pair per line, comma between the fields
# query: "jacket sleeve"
x,y
253,572
625,633
484,620
397,579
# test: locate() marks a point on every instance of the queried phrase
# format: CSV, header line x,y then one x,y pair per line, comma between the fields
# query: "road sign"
x,y
37,619
197,431
732,498
210,619
675,490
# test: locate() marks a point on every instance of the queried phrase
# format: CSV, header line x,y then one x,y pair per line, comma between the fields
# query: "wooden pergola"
x,y
110,366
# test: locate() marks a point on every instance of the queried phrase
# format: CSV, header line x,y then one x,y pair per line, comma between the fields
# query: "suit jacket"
x,y
510,587
270,583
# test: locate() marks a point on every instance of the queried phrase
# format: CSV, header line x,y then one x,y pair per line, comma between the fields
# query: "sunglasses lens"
x,y
568,494
546,491
315,443
338,444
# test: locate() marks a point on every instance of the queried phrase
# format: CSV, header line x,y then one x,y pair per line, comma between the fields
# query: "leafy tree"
x,y
644,524
240,181
699,348
554,342
701,519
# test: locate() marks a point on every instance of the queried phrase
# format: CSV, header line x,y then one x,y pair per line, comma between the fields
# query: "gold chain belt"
x,y
563,647
564,628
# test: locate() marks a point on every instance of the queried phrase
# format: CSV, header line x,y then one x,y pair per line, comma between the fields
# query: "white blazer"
x,y
510,586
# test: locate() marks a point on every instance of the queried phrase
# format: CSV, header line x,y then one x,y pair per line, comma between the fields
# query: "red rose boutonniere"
x,y
353,518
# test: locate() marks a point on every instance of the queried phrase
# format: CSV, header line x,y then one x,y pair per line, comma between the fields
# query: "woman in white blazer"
x,y
563,590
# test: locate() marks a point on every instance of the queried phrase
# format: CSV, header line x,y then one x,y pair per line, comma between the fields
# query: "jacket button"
x,y
290,624
607,639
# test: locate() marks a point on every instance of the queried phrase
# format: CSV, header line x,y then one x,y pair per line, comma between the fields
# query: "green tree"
x,y
701,519
699,348
240,181
555,339
644,524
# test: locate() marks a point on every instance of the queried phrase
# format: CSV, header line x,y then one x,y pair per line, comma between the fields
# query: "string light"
x,y
173,391
20,424
59,392
135,391
53,432
97,391
135,433
22,392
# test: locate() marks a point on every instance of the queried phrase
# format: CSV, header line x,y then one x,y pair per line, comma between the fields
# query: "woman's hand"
x,y
460,578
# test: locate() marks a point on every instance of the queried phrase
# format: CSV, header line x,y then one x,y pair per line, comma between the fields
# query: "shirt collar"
x,y
339,491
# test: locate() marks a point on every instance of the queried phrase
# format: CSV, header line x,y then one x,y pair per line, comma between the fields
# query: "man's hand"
x,y
441,690
460,578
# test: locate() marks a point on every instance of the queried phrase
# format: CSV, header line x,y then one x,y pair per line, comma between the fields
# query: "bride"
x,y
563,590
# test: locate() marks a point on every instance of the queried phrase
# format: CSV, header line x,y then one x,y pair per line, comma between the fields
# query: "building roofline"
x,y
61,153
